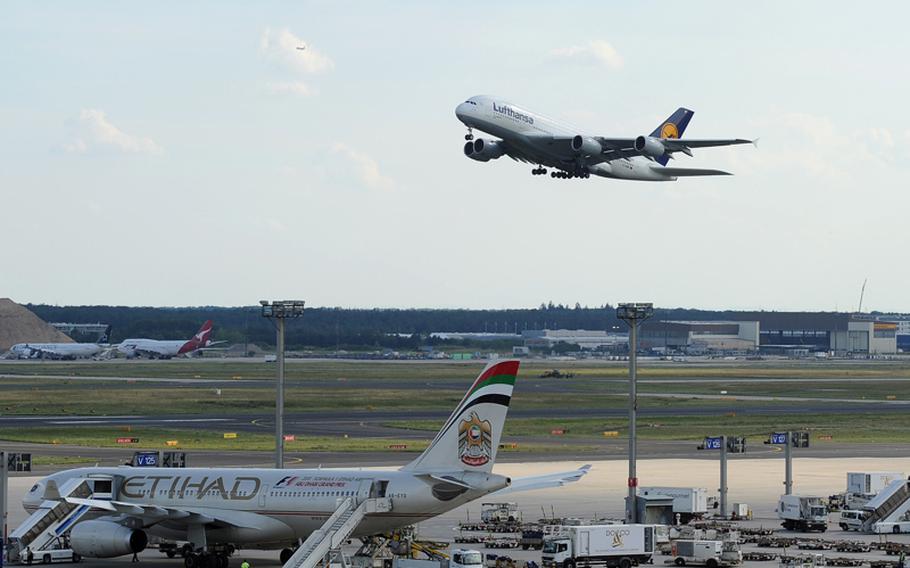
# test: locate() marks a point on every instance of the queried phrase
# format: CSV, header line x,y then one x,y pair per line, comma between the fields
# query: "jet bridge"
x,y
335,531
890,505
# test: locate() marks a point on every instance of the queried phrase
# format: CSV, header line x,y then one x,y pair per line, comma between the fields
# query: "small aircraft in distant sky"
x,y
536,139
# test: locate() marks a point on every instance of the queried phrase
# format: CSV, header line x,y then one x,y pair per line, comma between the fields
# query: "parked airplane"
x,y
112,510
533,138
163,349
65,351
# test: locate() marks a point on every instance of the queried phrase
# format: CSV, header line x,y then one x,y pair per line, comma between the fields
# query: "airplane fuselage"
x,y
274,508
55,350
152,347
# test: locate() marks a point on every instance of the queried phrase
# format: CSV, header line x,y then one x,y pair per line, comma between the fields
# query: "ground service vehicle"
x,y
710,553
532,538
500,513
623,546
870,483
688,502
851,520
802,513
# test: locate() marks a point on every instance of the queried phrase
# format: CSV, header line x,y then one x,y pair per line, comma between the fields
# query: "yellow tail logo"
x,y
669,130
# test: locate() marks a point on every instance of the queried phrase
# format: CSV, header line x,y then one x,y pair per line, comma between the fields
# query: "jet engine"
x,y
650,146
104,539
484,150
586,146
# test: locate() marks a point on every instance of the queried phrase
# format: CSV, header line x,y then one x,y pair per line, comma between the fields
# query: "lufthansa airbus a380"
x,y
535,139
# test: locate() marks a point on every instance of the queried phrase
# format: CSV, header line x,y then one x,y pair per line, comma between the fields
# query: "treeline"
x,y
345,328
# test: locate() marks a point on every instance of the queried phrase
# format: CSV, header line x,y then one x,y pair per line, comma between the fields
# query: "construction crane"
x,y
862,292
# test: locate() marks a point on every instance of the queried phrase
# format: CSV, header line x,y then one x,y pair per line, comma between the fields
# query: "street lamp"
x,y
632,314
280,310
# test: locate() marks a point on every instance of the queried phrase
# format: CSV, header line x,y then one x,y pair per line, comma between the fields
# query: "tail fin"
x,y
202,339
470,437
673,127
204,335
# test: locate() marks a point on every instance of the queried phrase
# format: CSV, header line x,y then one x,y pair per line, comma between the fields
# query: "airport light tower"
x,y
632,314
280,310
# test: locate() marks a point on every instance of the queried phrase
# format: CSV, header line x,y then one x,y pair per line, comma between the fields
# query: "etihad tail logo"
x,y
669,130
475,441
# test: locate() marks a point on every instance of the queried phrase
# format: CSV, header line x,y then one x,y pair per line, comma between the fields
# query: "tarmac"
x,y
757,482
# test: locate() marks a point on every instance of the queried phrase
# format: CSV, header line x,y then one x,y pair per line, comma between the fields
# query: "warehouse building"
x,y
700,336
586,339
840,333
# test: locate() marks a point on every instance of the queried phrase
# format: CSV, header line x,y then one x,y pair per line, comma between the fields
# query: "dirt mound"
x,y
18,325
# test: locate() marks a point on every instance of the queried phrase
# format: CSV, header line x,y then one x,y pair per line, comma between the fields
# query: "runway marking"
x,y
142,421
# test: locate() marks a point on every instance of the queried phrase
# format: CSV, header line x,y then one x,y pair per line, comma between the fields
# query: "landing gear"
x,y
470,134
539,172
286,555
568,175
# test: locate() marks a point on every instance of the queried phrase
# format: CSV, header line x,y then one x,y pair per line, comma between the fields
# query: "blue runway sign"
x,y
779,438
713,442
146,459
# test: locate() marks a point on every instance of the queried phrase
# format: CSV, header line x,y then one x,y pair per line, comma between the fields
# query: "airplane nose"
x,y
461,111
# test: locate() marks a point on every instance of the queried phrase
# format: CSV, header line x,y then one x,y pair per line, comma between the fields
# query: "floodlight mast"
x,y
280,310
632,314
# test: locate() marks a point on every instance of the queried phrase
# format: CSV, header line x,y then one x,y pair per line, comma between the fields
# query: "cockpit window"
x,y
34,488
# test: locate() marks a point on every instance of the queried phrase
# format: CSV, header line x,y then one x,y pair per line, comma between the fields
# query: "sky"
x,y
187,153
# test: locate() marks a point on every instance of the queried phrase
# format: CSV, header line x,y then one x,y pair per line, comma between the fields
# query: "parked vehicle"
x,y
621,546
688,502
710,553
852,520
802,513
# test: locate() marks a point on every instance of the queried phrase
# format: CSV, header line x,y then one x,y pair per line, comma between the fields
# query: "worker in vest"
x,y
245,564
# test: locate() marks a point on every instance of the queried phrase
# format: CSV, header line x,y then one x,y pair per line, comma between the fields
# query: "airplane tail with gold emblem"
x,y
673,127
470,437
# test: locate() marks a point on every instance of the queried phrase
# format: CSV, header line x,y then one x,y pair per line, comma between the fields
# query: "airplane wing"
x,y
625,147
153,514
544,481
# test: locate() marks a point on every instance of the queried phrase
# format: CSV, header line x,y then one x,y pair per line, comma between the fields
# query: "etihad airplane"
x,y
163,349
528,137
111,511
65,351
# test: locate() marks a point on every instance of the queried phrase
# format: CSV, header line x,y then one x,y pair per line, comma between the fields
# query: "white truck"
x,y
871,482
688,502
710,553
802,513
616,545
500,513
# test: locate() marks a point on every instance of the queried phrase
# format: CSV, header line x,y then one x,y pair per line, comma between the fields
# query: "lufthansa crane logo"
x,y
668,130
475,440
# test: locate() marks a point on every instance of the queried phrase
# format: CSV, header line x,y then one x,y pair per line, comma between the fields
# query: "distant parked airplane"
x,y
536,139
65,351
164,349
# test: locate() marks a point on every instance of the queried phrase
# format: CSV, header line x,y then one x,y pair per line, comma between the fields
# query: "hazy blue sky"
x,y
186,153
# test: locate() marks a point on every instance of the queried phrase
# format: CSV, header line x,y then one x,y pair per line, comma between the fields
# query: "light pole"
x,y
632,314
280,310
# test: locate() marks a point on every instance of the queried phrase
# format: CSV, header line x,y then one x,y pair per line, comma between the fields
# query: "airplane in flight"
x,y
65,351
111,511
529,137
164,349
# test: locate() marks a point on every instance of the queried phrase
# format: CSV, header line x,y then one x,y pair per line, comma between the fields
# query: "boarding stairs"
x,y
891,504
337,528
52,520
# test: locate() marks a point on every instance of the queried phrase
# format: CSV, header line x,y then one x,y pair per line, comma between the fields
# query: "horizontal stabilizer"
x,y
684,172
544,481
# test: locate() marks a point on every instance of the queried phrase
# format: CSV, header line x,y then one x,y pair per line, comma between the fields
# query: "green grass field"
x,y
157,438
440,385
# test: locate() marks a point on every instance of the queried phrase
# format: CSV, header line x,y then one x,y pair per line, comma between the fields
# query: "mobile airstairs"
x,y
887,510
48,527
326,542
